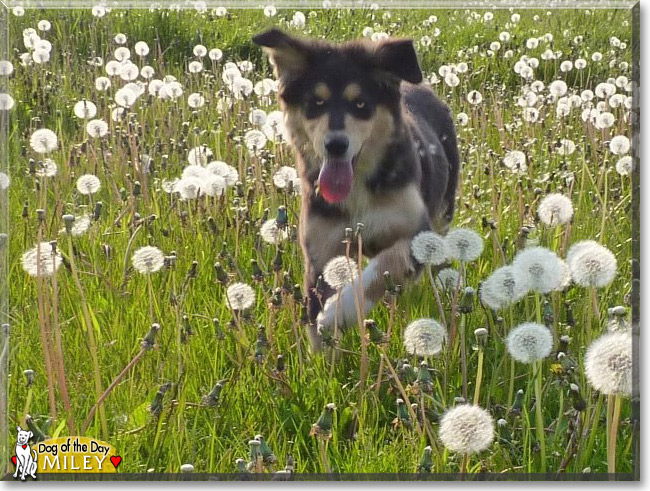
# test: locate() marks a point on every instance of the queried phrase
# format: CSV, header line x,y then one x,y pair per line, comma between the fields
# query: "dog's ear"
x,y
397,57
289,55
30,435
19,429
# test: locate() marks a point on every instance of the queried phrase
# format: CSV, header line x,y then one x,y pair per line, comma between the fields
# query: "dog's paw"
x,y
341,310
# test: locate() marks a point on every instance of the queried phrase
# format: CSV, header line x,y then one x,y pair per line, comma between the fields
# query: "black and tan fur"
x,y
401,147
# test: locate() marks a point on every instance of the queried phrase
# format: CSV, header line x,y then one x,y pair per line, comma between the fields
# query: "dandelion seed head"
x,y
274,126
195,67
580,64
539,269
141,48
47,168
41,260
604,90
122,53
97,128
200,155
467,429
474,97
625,165
605,119
213,185
102,83
424,337
464,244
148,259
255,140
608,363
558,88
6,68
555,209
429,248
88,184
189,187
619,145
447,279
241,88
339,271
215,54
284,175
240,296
98,11
257,117
6,102
271,233
195,100
125,97
501,288
591,264
228,172
79,227
43,141
529,342
515,160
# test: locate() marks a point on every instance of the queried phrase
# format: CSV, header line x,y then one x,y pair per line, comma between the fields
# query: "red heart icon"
x,y
25,446
13,459
115,460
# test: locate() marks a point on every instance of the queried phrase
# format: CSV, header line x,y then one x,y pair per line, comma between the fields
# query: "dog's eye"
x,y
360,104
319,102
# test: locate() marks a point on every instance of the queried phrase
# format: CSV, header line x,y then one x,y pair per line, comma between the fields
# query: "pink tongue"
x,y
335,180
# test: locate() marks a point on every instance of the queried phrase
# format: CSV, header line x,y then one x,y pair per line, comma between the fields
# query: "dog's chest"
x,y
386,218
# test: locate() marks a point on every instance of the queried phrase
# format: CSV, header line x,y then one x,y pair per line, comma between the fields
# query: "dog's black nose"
x,y
337,145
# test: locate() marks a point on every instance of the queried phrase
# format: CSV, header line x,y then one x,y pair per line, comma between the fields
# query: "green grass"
x,y
253,400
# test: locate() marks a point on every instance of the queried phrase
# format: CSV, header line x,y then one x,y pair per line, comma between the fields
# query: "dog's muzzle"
x,y
336,174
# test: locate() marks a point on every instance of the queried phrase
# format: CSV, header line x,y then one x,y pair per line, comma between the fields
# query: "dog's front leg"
x,y
359,297
22,462
321,240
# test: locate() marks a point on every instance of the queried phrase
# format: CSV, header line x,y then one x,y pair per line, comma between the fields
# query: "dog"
x,y
374,146
26,459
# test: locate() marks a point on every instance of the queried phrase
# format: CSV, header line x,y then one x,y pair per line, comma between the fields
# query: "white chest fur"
x,y
386,217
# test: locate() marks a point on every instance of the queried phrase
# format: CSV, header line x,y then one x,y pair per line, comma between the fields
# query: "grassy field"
x,y
79,328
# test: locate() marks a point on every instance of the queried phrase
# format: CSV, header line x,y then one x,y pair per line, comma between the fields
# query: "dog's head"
x,y
23,436
340,101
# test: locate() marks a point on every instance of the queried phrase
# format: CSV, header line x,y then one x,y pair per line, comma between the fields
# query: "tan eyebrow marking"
x,y
352,92
322,91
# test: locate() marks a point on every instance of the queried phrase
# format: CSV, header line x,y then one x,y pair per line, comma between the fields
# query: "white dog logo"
x,y
25,458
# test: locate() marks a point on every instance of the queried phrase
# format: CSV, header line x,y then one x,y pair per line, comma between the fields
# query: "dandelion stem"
x,y
28,400
90,331
389,330
539,420
405,397
322,445
479,376
45,341
110,388
463,464
60,366
511,385
126,254
454,306
463,354
613,418
360,302
590,427
441,310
